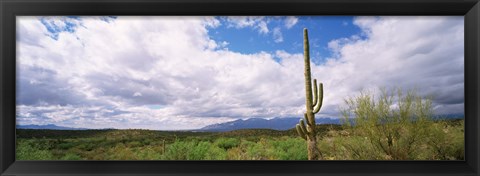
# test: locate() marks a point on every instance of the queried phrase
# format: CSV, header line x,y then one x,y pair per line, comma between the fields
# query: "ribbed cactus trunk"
x,y
314,101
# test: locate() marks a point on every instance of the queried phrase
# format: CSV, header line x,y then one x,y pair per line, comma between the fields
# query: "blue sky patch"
x,y
322,29
56,26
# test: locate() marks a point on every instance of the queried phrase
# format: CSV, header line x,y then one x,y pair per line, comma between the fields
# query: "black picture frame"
x,y
9,9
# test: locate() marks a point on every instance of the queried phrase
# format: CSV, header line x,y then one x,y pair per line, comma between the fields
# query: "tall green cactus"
x,y
313,103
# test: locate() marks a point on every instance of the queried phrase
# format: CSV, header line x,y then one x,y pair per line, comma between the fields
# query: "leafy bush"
x,y
290,149
134,144
194,150
227,143
261,150
149,153
87,146
447,141
27,150
66,146
394,124
351,147
120,152
71,156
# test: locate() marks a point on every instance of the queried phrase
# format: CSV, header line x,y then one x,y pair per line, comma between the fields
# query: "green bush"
x,y
149,153
227,143
178,150
66,146
349,148
290,149
261,150
120,152
194,150
447,141
395,124
71,156
87,146
134,144
26,150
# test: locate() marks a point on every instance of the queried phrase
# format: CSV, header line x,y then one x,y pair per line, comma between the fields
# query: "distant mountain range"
x,y
252,123
259,123
286,123
49,127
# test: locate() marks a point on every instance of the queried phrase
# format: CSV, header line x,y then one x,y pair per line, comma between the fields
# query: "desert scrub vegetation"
x,y
396,125
207,147
443,142
29,150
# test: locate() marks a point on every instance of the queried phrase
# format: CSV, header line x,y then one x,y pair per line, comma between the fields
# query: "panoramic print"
x,y
240,88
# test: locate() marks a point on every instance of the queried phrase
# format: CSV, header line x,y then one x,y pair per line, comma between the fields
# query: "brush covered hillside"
x,y
336,142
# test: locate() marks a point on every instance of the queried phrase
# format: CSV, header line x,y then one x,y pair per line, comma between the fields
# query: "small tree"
x,y
395,123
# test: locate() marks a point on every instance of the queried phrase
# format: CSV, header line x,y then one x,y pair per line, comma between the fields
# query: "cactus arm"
x,y
315,94
320,99
303,127
306,117
300,132
309,122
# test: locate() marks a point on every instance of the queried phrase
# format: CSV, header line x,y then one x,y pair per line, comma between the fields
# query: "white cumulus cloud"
x,y
277,35
257,22
290,21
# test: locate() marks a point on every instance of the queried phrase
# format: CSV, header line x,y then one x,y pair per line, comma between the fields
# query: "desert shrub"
x,y
100,153
134,144
260,150
198,151
43,143
194,150
146,142
178,150
86,146
447,141
252,138
120,152
237,153
227,143
71,156
281,148
348,148
66,145
149,153
212,153
241,151
289,149
28,150
395,124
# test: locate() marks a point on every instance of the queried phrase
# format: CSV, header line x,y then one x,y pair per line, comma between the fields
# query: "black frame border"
x,y
9,9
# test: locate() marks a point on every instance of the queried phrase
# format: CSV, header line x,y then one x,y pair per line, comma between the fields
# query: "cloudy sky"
x,y
171,73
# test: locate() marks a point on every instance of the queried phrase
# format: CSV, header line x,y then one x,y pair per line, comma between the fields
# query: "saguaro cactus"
x,y
313,102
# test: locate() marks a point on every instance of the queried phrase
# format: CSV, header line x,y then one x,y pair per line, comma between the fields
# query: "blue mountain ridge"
x,y
48,127
260,123
251,123
286,123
